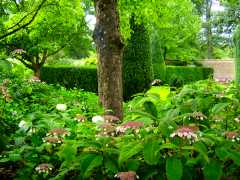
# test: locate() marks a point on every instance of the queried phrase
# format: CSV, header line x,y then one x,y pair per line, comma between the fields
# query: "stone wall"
x,y
223,69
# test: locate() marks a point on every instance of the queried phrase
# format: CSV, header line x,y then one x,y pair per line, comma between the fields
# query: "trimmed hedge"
x,y
186,74
70,77
137,62
86,77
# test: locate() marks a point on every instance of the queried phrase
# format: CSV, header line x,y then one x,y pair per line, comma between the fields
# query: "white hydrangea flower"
x,y
97,119
23,125
61,107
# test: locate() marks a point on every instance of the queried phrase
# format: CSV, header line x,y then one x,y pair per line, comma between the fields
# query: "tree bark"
x,y
209,29
37,70
109,48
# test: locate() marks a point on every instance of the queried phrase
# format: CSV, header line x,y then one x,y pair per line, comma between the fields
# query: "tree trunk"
x,y
37,70
209,28
109,47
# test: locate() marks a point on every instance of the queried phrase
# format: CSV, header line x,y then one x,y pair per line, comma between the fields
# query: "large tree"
x,y
107,37
113,21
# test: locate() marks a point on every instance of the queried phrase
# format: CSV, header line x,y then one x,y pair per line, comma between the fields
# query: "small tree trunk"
x,y
109,47
37,70
209,29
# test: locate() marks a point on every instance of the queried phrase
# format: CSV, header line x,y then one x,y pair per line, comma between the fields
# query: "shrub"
x,y
237,58
137,63
179,75
159,67
86,77
176,63
83,77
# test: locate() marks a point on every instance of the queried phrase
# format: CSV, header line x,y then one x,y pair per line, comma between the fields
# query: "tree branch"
x,y
25,63
44,58
55,52
24,25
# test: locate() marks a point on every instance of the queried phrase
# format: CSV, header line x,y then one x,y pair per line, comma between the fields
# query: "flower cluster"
x,y
106,129
233,136
110,118
97,119
197,116
80,118
105,118
218,118
34,79
156,82
4,91
134,125
186,132
23,125
237,119
58,132
18,51
53,140
55,136
44,168
130,175
61,107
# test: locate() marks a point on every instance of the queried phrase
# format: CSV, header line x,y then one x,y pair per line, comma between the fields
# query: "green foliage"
x,y
137,63
87,153
159,68
5,66
213,170
83,77
179,75
174,169
48,32
151,152
237,58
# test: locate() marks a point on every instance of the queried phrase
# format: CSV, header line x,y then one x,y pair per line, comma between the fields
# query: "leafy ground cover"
x,y
49,132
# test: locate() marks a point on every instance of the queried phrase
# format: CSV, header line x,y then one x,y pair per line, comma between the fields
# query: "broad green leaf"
x,y
89,162
68,152
168,146
132,165
15,157
213,170
151,152
174,169
235,156
110,165
222,153
129,150
220,107
202,149
150,108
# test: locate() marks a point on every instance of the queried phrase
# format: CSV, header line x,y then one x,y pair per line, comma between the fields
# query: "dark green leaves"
x,y
212,171
89,162
174,168
151,152
129,150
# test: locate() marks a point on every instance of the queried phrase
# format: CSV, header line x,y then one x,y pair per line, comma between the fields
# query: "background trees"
x,y
53,26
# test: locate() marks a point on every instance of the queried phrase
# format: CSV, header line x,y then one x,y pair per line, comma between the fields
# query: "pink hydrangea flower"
x,y
231,135
185,132
129,125
44,168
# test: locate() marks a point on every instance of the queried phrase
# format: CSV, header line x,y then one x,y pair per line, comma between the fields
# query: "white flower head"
x,y
61,107
97,119
23,125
